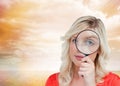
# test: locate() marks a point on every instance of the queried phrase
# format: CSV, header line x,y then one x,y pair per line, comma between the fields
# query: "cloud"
x,y
44,21
113,22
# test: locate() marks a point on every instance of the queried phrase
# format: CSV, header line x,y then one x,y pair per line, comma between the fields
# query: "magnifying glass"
x,y
87,42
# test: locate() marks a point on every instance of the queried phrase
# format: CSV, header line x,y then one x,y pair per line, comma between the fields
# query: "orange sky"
x,y
35,28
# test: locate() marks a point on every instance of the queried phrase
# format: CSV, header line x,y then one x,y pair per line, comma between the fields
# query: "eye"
x,y
74,40
89,42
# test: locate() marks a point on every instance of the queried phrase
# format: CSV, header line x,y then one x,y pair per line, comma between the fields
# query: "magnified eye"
x,y
89,42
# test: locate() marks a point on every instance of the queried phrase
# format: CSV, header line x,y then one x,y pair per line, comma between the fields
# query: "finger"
x,y
81,73
84,65
87,65
83,69
87,60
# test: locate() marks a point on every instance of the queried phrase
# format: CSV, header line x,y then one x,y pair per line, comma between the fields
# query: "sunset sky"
x,y
31,30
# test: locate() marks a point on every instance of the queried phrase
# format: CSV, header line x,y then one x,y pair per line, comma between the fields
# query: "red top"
x,y
109,80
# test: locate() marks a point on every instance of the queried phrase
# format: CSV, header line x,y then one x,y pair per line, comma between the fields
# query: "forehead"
x,y
86,33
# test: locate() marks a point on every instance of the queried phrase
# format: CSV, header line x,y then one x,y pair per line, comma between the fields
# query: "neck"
x,y
76,75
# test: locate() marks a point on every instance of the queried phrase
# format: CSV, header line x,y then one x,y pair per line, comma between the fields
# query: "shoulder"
x,y
53,76
111,75
52,80
111,79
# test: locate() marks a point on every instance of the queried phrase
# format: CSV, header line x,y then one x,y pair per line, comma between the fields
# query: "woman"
x,y
78,69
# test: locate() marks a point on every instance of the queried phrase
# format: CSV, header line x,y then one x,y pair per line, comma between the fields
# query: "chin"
x,y
77,64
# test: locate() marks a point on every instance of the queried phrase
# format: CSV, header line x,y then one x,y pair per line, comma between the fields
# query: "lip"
x,y
79,57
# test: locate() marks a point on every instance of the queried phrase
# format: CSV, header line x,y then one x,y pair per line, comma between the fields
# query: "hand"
x,y
87,71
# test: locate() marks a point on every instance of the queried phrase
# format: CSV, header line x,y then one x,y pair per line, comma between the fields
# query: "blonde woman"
x,y
78,69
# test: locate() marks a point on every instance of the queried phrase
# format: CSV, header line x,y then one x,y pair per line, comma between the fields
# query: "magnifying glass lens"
x,y
87,42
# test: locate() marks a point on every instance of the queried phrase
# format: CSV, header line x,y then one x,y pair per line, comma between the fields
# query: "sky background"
x,y
30,31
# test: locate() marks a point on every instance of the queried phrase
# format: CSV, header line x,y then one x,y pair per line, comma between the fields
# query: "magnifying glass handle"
x,y
86,55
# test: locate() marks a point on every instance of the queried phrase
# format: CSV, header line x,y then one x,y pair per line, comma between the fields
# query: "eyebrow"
x,y
73,37
96,37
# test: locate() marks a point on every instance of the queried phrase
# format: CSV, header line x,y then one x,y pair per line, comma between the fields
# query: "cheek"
x,y
71,49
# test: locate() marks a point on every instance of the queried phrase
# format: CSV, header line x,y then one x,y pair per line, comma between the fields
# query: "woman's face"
x,y
75,55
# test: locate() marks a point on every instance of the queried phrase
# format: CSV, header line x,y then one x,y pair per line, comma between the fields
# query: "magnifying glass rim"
x,y
80,33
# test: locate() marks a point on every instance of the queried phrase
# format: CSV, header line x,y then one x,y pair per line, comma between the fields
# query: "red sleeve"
x,y
116,81
52,80
110,80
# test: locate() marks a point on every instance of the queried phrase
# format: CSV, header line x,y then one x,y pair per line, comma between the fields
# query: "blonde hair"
x,y
67,69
